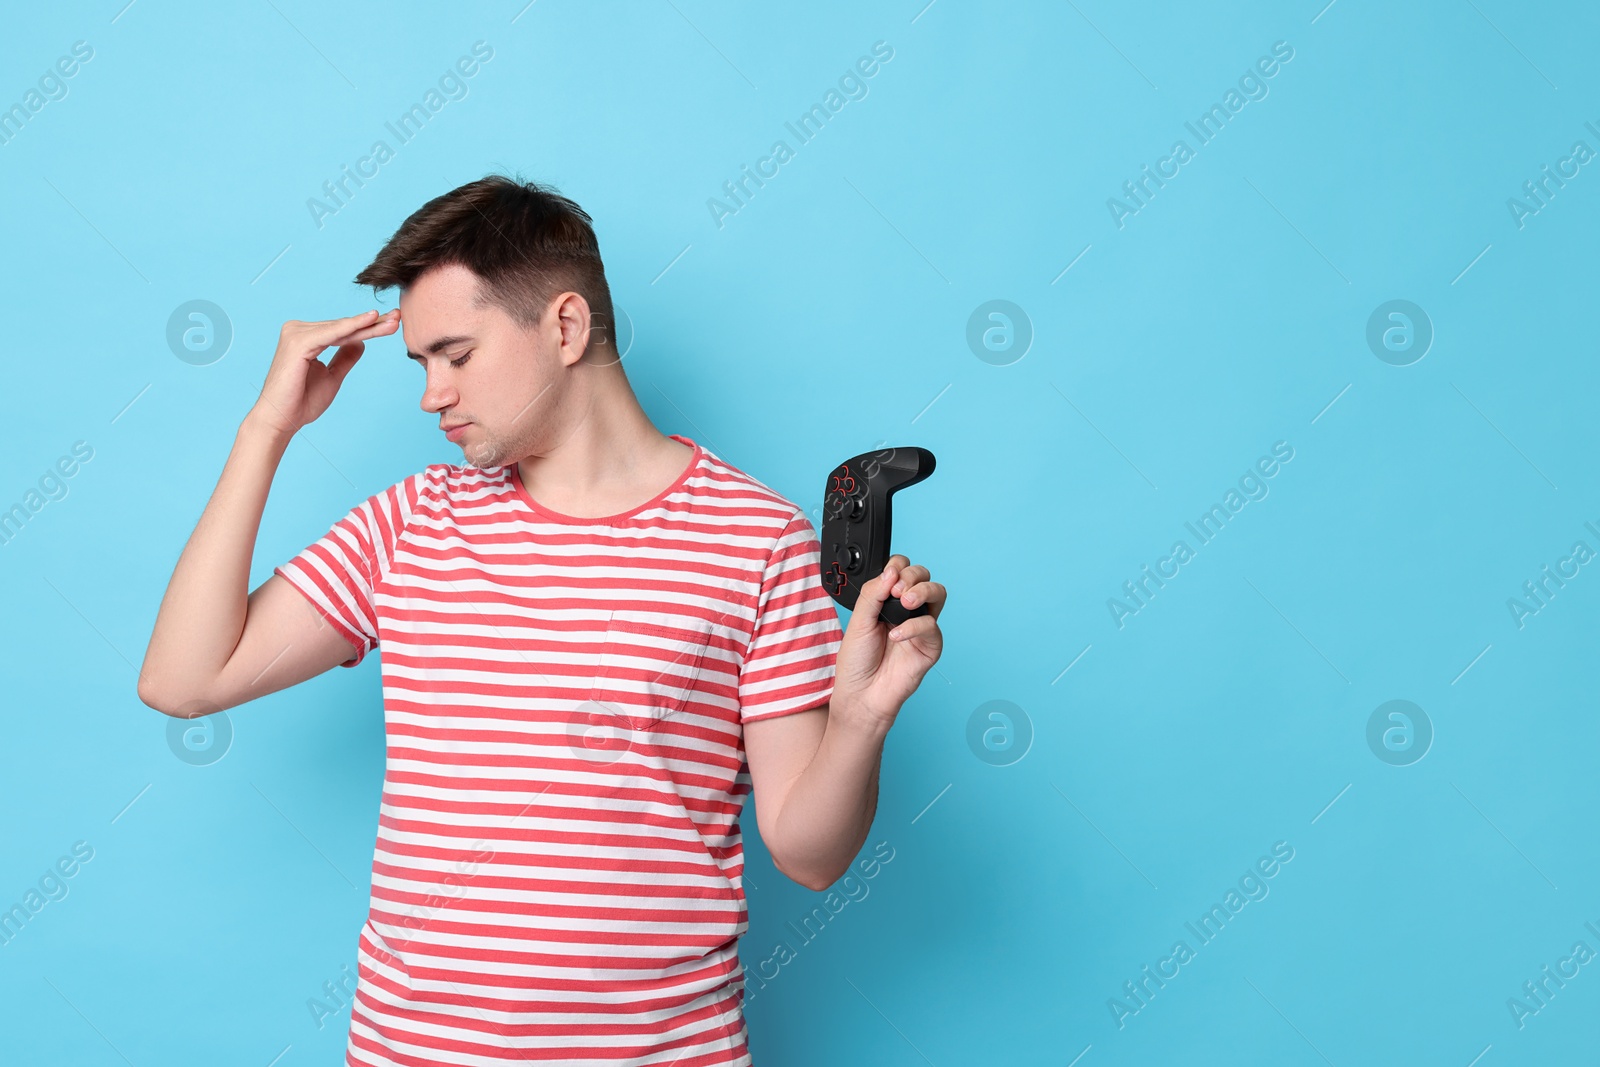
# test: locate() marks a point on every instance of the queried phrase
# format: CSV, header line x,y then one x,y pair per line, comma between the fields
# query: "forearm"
x,y
828,811
202,614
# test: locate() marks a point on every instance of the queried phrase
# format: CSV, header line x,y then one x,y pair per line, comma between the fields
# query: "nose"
x,y
439,394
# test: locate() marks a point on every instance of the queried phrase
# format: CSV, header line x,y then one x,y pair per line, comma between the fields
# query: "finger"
x,y
908,578
869,602
382,324
336,331
921,626
894,566
929,593
352,339
349,322
344,359
385,325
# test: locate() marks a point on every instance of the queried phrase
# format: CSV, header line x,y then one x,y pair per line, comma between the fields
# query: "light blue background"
x,y
828,316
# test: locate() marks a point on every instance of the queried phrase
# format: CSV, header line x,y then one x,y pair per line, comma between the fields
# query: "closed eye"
x,y
454,362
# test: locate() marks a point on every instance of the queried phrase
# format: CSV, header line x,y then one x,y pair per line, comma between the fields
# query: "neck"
x,y
610,458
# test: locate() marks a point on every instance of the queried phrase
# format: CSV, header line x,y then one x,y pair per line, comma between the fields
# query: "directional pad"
x,y
835,580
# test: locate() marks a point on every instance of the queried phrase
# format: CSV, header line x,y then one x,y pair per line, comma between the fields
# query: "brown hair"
x,y
525,241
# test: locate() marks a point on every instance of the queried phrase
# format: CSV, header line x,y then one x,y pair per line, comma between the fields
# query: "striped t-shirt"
x,y
558,873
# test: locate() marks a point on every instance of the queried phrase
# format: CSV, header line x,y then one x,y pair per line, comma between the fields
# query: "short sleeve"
x,y
339,573
788,667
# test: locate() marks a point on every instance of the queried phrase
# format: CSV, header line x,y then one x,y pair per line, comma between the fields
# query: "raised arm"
x,y
213,646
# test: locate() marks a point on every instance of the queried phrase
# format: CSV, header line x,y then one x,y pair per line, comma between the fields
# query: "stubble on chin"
x,y
483,455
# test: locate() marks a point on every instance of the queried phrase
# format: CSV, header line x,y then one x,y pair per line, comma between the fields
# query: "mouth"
x,y
452,432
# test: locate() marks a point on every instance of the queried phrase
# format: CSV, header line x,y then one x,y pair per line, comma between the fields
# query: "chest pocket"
x,y
652,664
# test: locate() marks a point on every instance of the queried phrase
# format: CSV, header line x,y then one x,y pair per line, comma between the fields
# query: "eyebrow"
x,y
439,346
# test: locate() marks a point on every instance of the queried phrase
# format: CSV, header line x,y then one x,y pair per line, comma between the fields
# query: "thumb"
x,y
344,359
869,603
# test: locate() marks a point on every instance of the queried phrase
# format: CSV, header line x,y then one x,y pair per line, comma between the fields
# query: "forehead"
x,y
449,288
443,300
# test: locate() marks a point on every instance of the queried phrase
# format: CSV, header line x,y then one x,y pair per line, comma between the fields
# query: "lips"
x,y
453,431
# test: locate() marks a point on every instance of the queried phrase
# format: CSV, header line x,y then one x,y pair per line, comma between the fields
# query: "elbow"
x,y
153,698
816,885
149,694
149,699
816,881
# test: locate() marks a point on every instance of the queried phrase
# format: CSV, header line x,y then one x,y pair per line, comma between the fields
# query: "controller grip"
x,y
894,613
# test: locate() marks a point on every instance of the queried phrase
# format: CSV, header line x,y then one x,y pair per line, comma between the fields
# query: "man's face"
x,y
509,380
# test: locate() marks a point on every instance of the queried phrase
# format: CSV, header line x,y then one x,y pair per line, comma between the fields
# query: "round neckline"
x,y
677,483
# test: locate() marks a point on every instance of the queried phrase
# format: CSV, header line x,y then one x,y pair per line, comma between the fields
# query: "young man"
x,y
597,640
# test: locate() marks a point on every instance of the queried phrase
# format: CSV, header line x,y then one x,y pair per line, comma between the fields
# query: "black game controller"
x,y
855,523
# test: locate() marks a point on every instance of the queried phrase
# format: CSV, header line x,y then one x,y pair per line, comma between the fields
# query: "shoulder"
x,y
754,502
437,492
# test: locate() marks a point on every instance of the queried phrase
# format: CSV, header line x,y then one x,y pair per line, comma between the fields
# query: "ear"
x,y
569,315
